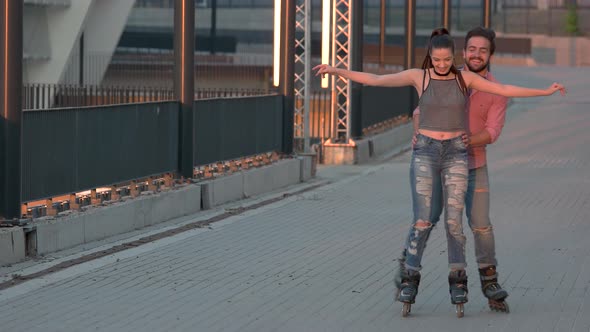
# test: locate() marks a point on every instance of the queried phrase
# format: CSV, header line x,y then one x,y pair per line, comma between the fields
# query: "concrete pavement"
x,y
323,260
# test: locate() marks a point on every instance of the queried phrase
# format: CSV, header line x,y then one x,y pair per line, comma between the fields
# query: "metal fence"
x,y
52,96
70,150
382,104
320,124
231,128
47,96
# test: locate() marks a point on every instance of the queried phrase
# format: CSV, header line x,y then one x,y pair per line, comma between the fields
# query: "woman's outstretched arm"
x,y
405,78
477,82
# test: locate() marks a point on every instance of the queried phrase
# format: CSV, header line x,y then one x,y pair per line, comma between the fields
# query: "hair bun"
x,y
439,32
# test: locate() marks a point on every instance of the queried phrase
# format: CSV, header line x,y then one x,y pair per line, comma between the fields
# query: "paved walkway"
x,y
323,260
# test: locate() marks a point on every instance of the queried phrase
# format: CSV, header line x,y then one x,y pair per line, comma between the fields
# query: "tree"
x,y
571,24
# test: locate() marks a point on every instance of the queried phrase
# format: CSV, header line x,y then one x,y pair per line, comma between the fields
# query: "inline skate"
x,y
458,290
492,290
407,282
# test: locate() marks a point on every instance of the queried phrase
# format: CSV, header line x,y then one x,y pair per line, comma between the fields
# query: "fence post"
x,y
356,63
11,59
446,14
410,34
486,13
287,80
184,45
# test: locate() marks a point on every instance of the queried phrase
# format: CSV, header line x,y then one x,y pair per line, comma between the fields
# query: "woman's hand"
x,y
466,139
415,138
324,69
556,87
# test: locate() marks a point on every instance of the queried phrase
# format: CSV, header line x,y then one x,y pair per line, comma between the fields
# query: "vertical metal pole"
x,y
11,100
446,14
355,126
410,32
458,23
81,76
504,16
184,46
308,77
382,35
286,85
549,19
213,33
486,13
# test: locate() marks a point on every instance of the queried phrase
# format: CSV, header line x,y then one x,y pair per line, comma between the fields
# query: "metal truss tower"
x,y
341,58
302,74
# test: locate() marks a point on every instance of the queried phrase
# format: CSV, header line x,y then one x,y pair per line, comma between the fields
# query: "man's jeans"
x,y
477,207
438,166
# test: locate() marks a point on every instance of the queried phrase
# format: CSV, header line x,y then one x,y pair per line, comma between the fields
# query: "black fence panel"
x,y
380,104
75,149
237,127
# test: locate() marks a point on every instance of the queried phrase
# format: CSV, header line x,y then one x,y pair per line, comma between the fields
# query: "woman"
x,y
439,156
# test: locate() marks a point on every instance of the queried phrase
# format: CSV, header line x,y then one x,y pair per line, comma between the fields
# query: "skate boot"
x,y
401,270
407,288
492,290
458,290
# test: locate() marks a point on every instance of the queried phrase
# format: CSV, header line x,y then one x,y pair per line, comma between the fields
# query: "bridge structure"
x,y
60,159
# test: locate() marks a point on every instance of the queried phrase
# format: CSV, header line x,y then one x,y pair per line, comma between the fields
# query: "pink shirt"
x,y
486,112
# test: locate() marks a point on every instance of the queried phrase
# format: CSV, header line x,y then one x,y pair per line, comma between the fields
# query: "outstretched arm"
x,y
476,82
404,78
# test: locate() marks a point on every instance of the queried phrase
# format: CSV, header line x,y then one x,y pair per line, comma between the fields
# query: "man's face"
x,y
477,54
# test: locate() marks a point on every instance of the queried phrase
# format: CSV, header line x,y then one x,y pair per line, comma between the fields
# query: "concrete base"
x,y
353,152
97,223
255,181
266,179
69,229
308,166
366,149
12,245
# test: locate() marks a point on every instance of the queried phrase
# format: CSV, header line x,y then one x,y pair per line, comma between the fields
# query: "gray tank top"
x,y
442,106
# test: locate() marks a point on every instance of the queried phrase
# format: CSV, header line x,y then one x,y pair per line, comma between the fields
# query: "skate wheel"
x,y
460,310
499,306
406,309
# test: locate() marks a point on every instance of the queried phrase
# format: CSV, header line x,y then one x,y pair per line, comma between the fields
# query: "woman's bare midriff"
x,y
440,135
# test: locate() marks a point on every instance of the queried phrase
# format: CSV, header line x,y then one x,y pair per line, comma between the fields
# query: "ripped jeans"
x,y
437,167
477,209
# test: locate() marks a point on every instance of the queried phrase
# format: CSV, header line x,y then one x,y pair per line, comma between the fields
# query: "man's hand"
x,y
414,139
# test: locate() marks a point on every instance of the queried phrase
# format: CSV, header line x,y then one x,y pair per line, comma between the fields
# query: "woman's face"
x,y
442,60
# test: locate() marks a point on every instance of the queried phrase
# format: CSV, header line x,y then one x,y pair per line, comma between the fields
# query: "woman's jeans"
x,y
437,167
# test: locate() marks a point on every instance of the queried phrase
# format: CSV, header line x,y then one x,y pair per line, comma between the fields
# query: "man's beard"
x,y
484,65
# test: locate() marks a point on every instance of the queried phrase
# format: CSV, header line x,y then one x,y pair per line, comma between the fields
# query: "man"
x,y
486,120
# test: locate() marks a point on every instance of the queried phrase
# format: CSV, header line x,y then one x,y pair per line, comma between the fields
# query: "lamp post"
x,y
11,59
